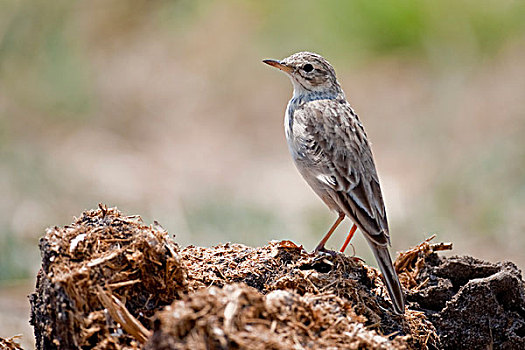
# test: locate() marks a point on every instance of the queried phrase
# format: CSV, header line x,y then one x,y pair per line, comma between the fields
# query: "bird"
x,y
330,148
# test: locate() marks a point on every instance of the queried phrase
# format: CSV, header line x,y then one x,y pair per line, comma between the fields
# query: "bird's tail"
x,y
389,276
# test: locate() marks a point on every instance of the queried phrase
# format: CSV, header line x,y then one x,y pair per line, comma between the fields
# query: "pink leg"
x,y
348,238
320,246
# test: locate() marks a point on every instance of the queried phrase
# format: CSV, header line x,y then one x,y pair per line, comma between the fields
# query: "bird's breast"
x,y
289,126
288,120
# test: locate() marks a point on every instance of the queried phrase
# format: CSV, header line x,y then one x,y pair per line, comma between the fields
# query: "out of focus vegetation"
x,y
163,108
440,32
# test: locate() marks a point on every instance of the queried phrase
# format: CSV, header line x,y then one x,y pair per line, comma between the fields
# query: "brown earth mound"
x,y
473,304
111,282
10,343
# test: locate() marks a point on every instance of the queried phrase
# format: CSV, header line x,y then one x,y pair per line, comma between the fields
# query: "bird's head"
x,y
309,72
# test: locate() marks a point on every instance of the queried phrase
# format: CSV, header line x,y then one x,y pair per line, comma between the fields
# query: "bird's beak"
x,y
279,65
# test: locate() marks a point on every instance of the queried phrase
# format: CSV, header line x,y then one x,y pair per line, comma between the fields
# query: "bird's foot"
x,y
323,250
357,259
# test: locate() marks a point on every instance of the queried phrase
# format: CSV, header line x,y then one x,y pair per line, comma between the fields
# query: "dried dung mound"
x,y
240,317
472,303
110,281
94,266
346,290
10,343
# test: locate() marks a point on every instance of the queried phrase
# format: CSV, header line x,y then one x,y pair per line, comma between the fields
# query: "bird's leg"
x,y
320,246
348,238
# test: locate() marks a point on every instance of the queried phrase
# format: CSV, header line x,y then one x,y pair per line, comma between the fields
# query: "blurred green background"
x,y
164,109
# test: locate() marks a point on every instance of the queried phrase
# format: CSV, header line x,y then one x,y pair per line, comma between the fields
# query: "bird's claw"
x,y
323,250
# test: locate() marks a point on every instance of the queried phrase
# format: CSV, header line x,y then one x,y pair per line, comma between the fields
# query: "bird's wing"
x,y
334,142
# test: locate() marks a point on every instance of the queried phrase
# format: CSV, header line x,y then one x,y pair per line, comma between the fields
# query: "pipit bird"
x,y
330,149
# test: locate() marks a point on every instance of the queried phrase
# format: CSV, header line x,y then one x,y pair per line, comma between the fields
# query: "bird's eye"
x,y
308,68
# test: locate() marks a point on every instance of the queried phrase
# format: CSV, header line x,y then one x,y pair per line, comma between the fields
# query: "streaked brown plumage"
x,y
329,146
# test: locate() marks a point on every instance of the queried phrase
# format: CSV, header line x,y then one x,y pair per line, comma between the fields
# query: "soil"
x,y
110,281
10,343
472,303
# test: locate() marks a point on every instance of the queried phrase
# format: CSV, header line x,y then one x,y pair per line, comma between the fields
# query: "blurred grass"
x,y
462,193
440,32
43,51
54,57
13,257
40,65
218,219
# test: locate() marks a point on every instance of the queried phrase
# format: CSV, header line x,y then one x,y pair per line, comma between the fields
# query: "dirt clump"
x,y
240,317
103,254
10,343
332,294
472,303
110,281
